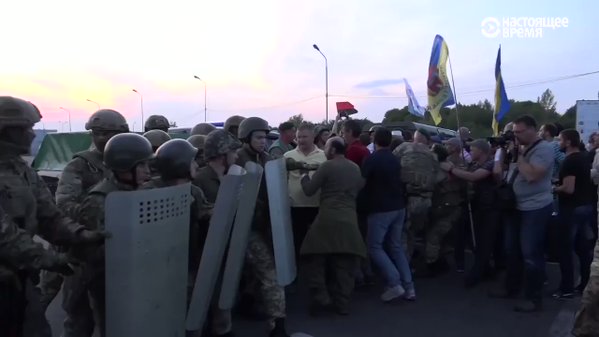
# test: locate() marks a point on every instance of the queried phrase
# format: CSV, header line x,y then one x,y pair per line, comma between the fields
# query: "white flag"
x,y
413,106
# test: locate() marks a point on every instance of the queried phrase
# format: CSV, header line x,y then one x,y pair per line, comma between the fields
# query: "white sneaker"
x,y
392,293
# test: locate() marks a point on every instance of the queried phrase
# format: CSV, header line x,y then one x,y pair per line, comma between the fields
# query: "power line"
x,y
465,93
474,92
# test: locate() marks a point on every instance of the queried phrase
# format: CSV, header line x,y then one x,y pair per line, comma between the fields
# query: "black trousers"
x,y
301,218
487,226
12,308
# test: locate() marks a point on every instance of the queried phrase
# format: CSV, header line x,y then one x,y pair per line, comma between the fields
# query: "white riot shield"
x,y
146,261
239,235
280,219
214,250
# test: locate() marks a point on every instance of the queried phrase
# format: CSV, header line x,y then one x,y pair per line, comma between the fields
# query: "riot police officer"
x,y
202,129
28,203
175,162
252,132
198,141
157,138
220,153
232,124
127,156
84,171
156,122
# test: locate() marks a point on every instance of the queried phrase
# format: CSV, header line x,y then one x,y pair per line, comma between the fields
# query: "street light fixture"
x,y
205,113
142,105
326,76
69,112
96,103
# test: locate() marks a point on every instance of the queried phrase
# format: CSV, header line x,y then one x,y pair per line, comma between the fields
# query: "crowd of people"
x,y
367,206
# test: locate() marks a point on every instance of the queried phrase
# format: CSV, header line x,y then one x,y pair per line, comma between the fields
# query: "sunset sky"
x,y
257,57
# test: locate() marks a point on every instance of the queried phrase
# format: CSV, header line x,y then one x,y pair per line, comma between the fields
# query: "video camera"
x,y
502,140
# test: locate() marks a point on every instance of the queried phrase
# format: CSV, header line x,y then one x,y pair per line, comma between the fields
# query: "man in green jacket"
x,y
334,238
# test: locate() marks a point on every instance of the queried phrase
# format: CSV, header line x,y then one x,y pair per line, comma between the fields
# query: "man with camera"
x,y
525,234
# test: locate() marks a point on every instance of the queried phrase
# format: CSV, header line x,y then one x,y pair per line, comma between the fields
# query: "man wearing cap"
x,y
485,212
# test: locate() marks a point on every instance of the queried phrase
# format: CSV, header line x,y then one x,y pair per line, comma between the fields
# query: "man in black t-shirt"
x,y
575,208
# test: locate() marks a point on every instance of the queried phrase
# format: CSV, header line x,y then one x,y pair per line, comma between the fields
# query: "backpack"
x,y
420,169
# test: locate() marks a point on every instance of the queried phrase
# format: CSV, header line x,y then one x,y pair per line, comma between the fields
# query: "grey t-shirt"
x,y
531,196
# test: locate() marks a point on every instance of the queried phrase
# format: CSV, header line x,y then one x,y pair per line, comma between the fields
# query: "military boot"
x,y
279,329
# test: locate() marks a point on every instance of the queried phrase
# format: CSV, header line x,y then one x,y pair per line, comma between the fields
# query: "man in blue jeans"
x,y
384,194
525,234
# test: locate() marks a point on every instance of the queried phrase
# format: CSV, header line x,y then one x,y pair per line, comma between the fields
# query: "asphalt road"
x,y
443,308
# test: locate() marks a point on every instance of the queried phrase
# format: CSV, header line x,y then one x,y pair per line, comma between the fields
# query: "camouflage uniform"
x,y
419,191
83,172
445,212
91,215
278,149
20,254
78,177
29,204
259,254
217,143
586,323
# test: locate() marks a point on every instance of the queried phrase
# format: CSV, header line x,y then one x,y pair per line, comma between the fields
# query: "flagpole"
x,y
457,116
455,98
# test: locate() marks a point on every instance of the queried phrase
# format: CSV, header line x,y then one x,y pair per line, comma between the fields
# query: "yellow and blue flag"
x,y
502,104
439,90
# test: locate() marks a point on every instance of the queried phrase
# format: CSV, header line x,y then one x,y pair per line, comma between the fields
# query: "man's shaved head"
x,y
334,146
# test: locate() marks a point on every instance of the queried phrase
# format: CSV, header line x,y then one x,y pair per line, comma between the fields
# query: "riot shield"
x,y
280,219
146,261
214,250
239,235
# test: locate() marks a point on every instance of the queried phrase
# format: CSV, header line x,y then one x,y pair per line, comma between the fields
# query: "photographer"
x,y
575,208
525,235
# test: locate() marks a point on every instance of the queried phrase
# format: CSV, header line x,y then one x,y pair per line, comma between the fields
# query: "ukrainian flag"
x,y
439,90
502,104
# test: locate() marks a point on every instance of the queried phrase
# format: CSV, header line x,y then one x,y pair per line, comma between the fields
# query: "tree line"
x,y
478,117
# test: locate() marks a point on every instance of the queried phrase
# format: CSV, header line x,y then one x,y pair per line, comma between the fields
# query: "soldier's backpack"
x,y
419,168
420,172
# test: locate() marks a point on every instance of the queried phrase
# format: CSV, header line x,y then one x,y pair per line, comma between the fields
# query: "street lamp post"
x,y
142,105
326,76
205,113
69,112
96,103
